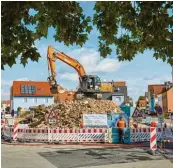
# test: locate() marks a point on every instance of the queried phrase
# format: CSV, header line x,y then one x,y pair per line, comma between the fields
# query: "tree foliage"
x,y
141,98
135,26
131,26
7,109
67,18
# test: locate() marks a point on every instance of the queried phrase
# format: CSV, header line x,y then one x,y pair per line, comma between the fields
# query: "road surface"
x,y
79,157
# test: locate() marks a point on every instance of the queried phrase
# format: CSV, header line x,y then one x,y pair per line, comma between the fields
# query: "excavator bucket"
x,y
58,89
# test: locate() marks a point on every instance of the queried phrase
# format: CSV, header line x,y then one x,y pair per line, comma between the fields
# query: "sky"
x,y
138,73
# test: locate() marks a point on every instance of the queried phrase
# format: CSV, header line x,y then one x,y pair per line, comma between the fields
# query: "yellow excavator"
x,y
89,85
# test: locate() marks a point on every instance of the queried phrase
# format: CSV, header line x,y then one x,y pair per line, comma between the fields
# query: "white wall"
x,y
118,100
26,102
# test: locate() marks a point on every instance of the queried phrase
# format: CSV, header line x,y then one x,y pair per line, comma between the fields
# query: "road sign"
x,y
52,121
52,117
137,113
138,120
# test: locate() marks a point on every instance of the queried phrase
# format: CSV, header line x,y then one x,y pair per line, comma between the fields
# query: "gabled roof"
x,y
156,89
41,88
6,102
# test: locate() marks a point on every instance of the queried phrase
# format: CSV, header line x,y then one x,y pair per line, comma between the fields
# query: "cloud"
x,y
22,79
69,76
5,87
92,61
5,95
6,83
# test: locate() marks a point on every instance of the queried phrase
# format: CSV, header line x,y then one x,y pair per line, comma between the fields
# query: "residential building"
x,y
30,93
5,104
166,100
119,93
153,91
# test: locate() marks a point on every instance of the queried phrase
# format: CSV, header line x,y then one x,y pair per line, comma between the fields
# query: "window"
x,y
46,100
118,98
35,100
27,89
22,89
25,100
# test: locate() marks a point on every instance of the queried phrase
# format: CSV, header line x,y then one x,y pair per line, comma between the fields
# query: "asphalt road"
x,y
79,156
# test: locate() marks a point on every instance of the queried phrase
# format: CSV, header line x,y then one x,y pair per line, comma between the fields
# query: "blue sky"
x,y
140,72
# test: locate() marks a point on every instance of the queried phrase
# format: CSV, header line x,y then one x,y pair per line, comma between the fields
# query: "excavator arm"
x,y
51,58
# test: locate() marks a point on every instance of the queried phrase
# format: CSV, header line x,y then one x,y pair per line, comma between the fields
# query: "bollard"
x,y
153,141
15,131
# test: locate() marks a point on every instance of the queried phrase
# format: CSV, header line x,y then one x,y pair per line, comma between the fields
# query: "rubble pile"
x,y
69,114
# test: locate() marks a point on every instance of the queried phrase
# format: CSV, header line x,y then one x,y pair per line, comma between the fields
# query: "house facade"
x,y
25,94
153,92
166,100
119,93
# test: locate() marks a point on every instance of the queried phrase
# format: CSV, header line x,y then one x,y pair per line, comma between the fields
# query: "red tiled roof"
x,y
157,89
6,102
41,88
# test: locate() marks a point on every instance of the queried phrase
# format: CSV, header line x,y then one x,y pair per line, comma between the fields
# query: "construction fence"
x,y
88,135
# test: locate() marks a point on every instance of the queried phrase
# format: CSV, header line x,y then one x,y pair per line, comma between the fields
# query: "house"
x,y
166,100
30,93
118,94
5,104
153,92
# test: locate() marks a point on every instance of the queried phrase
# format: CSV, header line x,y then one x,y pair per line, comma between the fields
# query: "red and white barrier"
x,y
63,135
33,135
74,135
153,141
93,135
15,131
143,134
2,124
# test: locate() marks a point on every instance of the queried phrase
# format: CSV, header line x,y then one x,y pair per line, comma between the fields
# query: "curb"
x,y
82,144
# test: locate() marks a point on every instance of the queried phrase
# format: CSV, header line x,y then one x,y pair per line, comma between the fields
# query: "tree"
x,y
141,98
7,109
142,25
19,109
17,37
131,26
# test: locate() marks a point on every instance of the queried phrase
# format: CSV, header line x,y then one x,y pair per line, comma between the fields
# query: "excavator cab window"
x,y
97,81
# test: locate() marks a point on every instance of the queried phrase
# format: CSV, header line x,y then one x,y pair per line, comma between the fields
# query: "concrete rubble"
x,y
69,114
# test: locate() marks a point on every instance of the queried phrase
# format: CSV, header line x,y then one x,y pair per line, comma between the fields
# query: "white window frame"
x,y
25,98
118,99
47,100
35,100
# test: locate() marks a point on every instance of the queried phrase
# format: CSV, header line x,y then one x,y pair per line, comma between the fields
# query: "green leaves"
x,y
71,25
132,28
